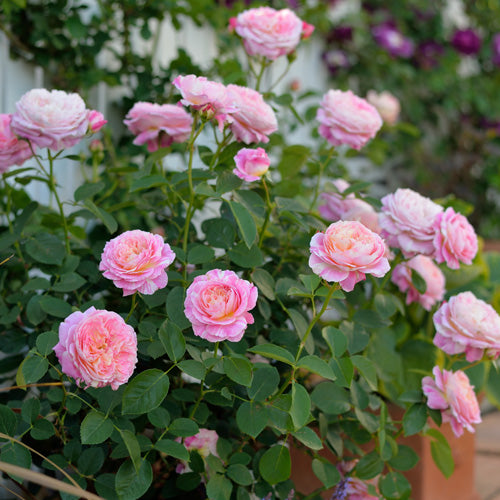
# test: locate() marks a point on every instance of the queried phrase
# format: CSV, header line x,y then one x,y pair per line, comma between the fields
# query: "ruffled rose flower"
x,y
251,164
96,121
407,221
452,393
54,120
337,207
13,151
217,305
204,442
254,119
211,98
136,262
455,240
432,275
347,119
158,125
347,251
386,104
467,324
97,348
269,32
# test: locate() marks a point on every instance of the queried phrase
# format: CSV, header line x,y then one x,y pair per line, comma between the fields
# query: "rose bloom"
x,y
347,251
251,164
386,104
455,240
54,120
407,221
204,442
13,151
254,119
467,324
347,119
452,393
136,262
392,40
217,305
158,125
96,121
432,275
269,32
495,49
337,207
211,98
97,348
467,42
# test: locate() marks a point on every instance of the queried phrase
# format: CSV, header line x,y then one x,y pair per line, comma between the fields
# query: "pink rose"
x,y
251,164
254,119
217,305
467,324
268,32
205,443
97,348
455,240
454,396
347,119
338,207
13,151
347,251
158,125
96,121
136,262
307,30
54,120
386,104
407,221
432,275
211,98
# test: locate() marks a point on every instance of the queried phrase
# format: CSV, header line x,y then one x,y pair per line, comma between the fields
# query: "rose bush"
x,y
182,326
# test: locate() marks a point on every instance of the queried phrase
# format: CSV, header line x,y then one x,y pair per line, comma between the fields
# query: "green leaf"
x,y
106,218
326,472
34,368
133,447
173,449
147,182
36,284
317,365
246,257
175,307
130,484
46,248
200,254
245,222
369,466
265,282
336,340
418,282
274,352
193,368
69,282
95,428
34,312
357,336
414,419
90,461
55,307
308,437
238,369
264,384
8,421
46,341
88,190
219,488
275,465
15,454
394,486
251,419
441,452
172,339
145,392
240,474
183,427
227,181
301,405
331,398
30,410
405,459
367,369
220,233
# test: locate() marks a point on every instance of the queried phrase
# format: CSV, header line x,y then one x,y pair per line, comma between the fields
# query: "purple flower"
x,y
335,59
495,49
428,54
340,34
466,42
392,40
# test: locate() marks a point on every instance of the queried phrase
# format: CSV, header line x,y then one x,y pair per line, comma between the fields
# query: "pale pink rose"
x,y
54,120
254,119
455,240
336,207
158,125
136,262
13,151
467,324
97,348
268,32
204,442
307,30
432,275
96,121
386,104
452,393
347,251
407,221
217,305
210,98
251,164
347,119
